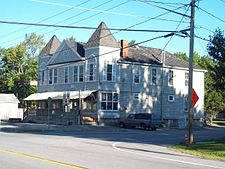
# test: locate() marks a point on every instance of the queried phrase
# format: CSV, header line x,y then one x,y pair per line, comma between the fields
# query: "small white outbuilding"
x,y
9,107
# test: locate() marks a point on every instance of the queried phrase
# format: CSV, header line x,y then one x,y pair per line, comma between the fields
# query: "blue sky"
x,y
124,14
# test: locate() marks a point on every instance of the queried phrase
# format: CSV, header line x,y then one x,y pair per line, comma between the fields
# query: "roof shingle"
x,y
102,37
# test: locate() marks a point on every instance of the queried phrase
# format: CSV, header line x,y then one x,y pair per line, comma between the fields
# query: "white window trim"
x,y
156,76
78,73
50,76
88,72
53,76
171,95
186,79
169,77
136,96
113,78
138,69
185,104
64,75
109,101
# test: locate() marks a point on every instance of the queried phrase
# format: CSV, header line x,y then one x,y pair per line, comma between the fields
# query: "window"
x,y
42,77
109,101
78,73
186,104
136,96
50,76
75,73
170,78
171,98
91,71
66,74
81,73
109,73
154,76
55,75
136,74
186,78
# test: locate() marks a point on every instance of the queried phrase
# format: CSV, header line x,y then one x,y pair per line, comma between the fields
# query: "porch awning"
x,y
59,95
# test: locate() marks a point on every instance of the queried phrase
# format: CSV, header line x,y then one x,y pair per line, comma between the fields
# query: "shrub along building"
x,y
102,80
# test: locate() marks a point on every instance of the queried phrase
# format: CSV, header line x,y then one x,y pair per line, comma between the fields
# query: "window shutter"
x,y
114,72
105,72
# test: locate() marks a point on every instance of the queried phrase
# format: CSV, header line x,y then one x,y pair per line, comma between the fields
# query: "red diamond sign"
x,y
194,98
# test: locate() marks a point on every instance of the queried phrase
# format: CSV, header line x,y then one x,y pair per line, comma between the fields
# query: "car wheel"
x,y
143,126
122,125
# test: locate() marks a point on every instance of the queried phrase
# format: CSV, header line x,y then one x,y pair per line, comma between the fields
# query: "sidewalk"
x,y
34,127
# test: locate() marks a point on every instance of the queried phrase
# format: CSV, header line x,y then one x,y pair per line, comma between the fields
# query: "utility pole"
x,y
191,53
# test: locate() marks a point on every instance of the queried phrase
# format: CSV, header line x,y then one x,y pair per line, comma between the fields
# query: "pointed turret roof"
x,y
102,37
51,47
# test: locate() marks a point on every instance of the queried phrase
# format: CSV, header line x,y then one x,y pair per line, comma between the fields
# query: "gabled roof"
x,y
102,37
69,51
9,98
141,55
51,47
150,55
77,46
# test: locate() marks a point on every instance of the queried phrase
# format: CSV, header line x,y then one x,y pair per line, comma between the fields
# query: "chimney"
x,y
124,48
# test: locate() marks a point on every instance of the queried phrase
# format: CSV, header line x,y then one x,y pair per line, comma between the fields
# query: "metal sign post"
x,y
49,109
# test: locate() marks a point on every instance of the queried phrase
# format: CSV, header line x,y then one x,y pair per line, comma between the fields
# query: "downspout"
x,y
132,80
162,82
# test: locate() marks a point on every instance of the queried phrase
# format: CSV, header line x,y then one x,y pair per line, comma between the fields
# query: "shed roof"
x,y
6,98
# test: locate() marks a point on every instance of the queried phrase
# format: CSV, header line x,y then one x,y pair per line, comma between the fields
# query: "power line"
x,y
57,14
61,21
214,16
163,8
222,1
83,27
176,28
139,23
89,17
201,27
204,39
165,3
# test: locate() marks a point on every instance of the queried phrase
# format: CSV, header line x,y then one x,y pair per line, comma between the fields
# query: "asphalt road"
x,y
101,148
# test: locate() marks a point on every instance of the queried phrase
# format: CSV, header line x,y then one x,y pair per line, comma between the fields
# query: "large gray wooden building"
x,y
112,80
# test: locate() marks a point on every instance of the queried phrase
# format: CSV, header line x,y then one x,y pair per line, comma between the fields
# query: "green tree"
x,y
132,42
19,67
216,49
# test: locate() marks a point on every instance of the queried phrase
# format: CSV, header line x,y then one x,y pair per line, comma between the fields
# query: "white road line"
x,y
114,145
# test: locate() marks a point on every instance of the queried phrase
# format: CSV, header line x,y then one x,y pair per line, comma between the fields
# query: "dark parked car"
x,y
141,120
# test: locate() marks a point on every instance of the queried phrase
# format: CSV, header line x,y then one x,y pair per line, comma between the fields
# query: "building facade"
x,y
117,79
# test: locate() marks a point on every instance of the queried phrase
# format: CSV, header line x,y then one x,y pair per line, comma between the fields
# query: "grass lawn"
x,y
212,149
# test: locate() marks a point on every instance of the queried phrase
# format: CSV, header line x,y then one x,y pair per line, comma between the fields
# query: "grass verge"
x,y
211,149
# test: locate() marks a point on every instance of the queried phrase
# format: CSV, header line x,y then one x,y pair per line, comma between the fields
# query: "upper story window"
x,y
91,72
50,76
66,74
170,78
42,77
109,73
154,76
136,74
186,78
55,75
78,73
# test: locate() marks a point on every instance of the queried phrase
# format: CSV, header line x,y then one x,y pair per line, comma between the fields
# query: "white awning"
x,y
59,95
